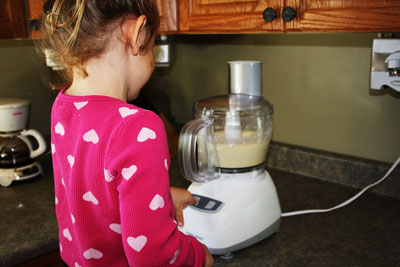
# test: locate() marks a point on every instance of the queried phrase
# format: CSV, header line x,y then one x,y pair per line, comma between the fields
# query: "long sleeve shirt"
x,y
112,193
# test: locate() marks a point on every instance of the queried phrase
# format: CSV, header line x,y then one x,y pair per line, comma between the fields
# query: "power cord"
x,y
300,212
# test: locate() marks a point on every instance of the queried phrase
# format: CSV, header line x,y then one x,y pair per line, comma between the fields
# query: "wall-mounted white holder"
x,y
385,65
162,55
163,52
50,63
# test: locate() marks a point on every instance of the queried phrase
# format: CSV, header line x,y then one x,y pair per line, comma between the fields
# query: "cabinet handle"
x,y
288,14
270,14
34,24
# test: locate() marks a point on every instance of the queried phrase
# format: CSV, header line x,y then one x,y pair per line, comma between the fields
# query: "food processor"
x,y
222,152
19,147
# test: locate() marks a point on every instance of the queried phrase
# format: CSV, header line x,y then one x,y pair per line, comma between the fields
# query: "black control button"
x,y
207,204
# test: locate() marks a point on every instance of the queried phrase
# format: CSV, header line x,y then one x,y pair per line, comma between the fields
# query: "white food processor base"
x,y
233,212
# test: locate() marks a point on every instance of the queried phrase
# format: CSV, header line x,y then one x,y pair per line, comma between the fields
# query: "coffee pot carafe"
x,y
16,149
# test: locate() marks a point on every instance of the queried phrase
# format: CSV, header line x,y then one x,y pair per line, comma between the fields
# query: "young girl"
x,y
113,201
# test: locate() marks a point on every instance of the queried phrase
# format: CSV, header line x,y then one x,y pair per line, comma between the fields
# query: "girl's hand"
x,y
181,198
209,258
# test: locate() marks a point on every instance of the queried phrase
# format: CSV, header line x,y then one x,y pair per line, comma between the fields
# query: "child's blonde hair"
x,y
78,30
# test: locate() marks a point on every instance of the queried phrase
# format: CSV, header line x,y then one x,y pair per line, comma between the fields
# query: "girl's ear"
x,y
134,34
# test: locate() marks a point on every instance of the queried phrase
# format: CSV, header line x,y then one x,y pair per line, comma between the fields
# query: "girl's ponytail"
x,y
53,19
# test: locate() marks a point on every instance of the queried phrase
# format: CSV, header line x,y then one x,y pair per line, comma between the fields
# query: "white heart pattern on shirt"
x,y
80,105
59,129
124,111
71,160
53,148
128,172
56,200
92,253
166,164
115,227
88,196
91,136
108,176
62,182
157,202
67,234
146,134
72,218
176,254
137,243
77,264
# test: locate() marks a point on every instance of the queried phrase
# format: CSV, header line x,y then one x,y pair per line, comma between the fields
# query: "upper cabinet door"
x,y
35,18
166,8
168,16
344,16
12,19
230,16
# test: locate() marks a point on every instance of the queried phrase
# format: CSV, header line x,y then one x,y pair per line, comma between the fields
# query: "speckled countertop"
x,y
28,226
365,233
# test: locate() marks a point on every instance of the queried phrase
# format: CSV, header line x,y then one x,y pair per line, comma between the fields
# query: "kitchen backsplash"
x,y
336,168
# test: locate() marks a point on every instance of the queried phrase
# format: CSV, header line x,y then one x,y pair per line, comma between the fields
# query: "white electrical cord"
x,y
300,212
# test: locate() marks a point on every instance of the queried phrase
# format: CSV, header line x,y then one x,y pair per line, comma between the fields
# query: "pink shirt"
x,y
113,201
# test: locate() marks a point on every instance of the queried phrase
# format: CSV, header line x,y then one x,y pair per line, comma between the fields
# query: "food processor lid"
x,y
245,77
219,105
7,103
245,92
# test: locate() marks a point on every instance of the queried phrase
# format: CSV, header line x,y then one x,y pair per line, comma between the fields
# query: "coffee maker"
x,y
222,152
17,152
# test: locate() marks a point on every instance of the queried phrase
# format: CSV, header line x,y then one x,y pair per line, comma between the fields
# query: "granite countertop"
x,y
28,223
365,233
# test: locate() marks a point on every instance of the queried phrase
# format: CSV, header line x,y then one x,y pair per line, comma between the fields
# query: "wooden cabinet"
x,y
52,259
12,19
167,9
229,16
242,16
168,16
34,18
344,16
236,16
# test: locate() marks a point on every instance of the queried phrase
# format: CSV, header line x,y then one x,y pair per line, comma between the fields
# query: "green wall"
x,y
21,75
318,84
